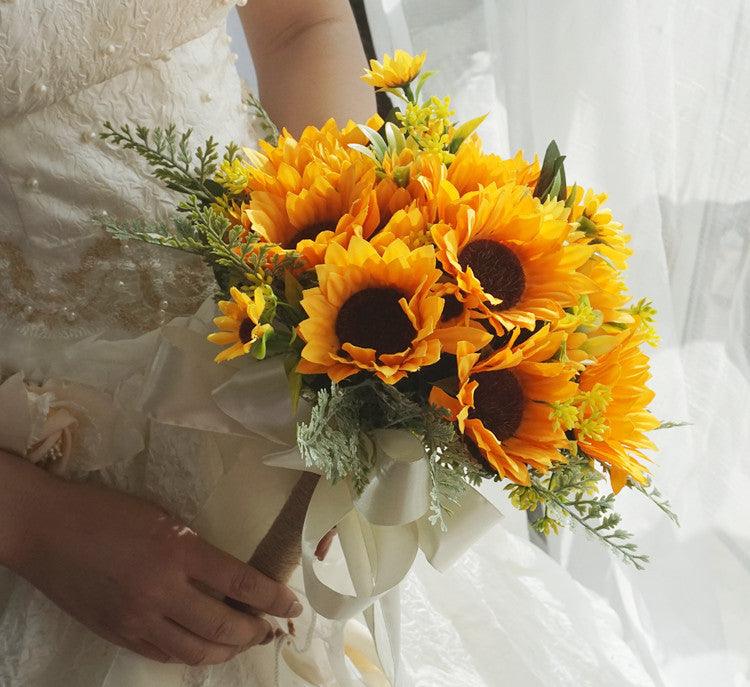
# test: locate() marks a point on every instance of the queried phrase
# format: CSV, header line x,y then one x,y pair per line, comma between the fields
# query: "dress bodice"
x,y
150,62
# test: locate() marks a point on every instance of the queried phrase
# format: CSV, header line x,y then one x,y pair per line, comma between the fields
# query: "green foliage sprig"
x,y
263,119
172,159
655,496
570,493
335,440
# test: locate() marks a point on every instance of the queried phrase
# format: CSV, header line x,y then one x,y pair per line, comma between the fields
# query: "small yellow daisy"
x,y
239,324
394,72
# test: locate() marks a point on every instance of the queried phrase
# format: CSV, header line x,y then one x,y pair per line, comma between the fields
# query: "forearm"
x,y
24,494
308,61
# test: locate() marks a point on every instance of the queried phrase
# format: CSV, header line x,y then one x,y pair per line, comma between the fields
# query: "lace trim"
x,y
118,287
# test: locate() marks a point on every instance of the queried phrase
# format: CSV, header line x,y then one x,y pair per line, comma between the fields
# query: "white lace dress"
x,y
79,328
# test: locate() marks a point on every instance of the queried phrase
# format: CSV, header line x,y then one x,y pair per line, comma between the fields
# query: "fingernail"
x,y
294,610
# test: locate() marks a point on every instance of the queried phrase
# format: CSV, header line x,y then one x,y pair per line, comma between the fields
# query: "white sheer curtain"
x,y
651,102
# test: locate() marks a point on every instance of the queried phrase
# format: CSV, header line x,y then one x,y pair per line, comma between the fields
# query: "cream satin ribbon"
x,y
381,530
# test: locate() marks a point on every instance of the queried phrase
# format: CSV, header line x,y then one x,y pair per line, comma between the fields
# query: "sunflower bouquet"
x,y
424,296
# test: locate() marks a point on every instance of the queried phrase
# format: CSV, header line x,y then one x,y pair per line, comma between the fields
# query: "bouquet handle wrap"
x,y
279,552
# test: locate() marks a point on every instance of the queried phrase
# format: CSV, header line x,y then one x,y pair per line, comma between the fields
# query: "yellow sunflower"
x,y
328,143
593,224
239,324
398,186
394,72
409,225
304,193
471,168
613,405
510,258
376,313
503,405
315,208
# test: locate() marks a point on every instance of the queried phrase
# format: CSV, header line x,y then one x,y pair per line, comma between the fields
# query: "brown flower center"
x,y
310,232
373,318
524,335
498,402
246,330
498,269
452,308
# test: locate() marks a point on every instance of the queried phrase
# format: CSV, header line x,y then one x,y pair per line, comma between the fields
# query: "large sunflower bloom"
x,y
472,169
509,256
239,324
613,428
503,405
376,313
310,210
329,143
394,72
305,193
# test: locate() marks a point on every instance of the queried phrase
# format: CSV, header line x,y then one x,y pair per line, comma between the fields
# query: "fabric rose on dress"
x,y
66,427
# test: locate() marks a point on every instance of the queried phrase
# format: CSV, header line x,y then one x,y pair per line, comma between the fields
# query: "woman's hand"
x,y
139,578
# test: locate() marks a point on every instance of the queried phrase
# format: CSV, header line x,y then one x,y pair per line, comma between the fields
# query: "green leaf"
x,y
655,496
292,289
571,196
294,378
365,150
672,425
376,139
587,226
569,491
552,175
464,131
421,82
260,348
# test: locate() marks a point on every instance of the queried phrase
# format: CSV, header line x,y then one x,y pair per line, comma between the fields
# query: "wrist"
x,y
27,502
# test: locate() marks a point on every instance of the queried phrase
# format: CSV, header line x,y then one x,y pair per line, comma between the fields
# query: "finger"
x,y
148,650
138,646
324,545
186,647
215,621
237,580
